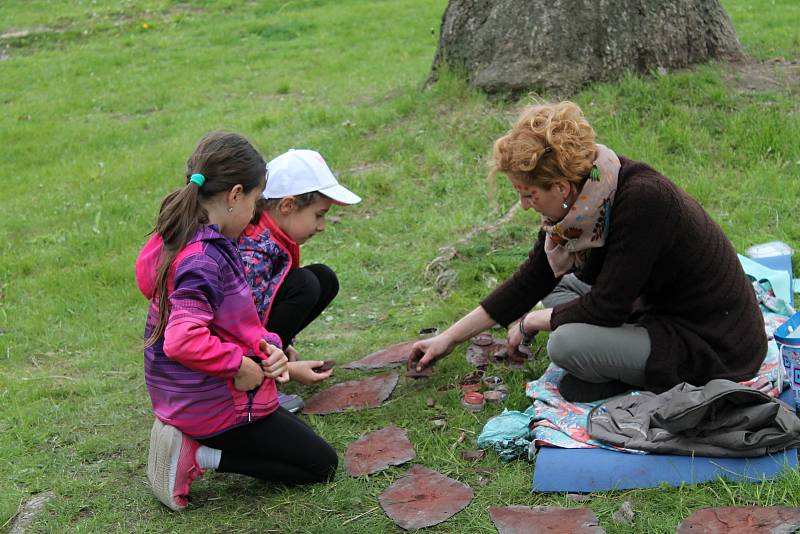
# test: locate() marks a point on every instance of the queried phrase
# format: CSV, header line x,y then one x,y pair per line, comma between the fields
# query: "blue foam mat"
x,y
590,470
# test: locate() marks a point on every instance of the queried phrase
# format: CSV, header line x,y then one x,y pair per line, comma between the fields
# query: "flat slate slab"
x,y
742,519
423,498
355,394
378,450
393,356
541,519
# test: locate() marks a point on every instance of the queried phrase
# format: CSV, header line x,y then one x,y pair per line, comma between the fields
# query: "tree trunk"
x,y
513,46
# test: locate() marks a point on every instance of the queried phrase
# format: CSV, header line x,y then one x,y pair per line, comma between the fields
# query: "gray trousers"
x,y
596,353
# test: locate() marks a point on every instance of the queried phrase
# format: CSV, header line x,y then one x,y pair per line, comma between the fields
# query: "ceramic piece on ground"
x,y
484,339
327,364
492,382
412,372
423,498
520,519
578,497
624,514
472,382
731,519
503,357
495,395
378,450
473,456
476,356
356,394
470,388
430,403
393,356
473,401
438,422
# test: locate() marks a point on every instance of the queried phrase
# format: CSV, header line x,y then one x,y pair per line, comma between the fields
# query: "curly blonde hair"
x,y
549,142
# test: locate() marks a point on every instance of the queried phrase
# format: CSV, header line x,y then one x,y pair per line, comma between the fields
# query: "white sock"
x,y
207,457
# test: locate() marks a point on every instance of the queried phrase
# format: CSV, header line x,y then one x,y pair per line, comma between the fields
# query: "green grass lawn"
x,y
101,104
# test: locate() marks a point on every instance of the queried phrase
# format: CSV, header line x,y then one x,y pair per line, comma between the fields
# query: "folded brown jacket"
x,y
722,418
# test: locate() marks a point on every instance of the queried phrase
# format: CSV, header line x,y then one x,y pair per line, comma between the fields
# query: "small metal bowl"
x,y
492,382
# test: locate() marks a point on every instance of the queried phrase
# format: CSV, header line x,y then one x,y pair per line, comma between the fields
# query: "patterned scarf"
x,y
586,224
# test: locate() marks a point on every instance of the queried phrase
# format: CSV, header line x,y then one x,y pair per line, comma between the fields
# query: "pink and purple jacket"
x,y
212,325
268,255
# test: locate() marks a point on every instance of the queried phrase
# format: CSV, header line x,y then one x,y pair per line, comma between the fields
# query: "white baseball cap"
x,y
302,171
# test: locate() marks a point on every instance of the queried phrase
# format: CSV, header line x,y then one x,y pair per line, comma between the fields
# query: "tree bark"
x,y
513,46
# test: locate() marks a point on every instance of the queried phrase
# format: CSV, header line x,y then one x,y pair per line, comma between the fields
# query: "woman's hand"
x,y
514,339
425,352
276,364
249,375
304,373
535,321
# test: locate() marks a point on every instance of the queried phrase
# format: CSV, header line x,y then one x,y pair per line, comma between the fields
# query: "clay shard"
x,y
327,364
730,519
426,372
551,519
485,348
378,450
356,394
423,498
393,356
473,456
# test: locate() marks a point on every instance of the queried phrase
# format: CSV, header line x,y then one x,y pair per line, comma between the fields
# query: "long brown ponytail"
x,y
225,160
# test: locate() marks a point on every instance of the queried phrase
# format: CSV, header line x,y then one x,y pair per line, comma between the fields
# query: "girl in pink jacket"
x,y
210,366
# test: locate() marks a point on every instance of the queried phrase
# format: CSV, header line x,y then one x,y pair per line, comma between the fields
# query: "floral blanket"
x,y
552,421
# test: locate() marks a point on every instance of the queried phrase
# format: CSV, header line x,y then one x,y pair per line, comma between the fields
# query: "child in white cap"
x,y
300,190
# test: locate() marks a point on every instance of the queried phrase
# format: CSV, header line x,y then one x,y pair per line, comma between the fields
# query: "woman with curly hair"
x,y
640,287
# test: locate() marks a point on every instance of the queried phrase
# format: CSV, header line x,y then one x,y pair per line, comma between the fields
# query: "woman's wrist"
x,y
527,336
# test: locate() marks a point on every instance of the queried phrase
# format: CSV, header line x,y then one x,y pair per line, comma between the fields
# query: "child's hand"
x,y
275,366
304,373
292,353
249,375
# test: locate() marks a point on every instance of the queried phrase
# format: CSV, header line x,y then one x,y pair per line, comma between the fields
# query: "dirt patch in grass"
x,y
769,75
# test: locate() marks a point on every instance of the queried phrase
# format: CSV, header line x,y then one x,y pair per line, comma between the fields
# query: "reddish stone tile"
x,y
356,394
377,451
422,498
473,456
541,519
741,520
394,356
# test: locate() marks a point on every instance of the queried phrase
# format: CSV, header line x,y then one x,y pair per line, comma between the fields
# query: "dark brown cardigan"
x,y
667,266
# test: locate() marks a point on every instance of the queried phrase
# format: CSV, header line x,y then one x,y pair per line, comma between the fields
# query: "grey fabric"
x,y
567,290
722,418
600,353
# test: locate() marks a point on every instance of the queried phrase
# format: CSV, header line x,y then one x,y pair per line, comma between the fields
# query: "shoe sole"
x,y
162,440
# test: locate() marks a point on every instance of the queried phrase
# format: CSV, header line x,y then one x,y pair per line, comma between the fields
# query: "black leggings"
x,y
304,293
278,448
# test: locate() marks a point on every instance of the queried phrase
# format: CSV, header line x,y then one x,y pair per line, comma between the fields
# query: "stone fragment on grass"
x,y
578,497
377,451
485,348
423,498
393,356
355,394
473,456
28,512
541,519
624,514
740,519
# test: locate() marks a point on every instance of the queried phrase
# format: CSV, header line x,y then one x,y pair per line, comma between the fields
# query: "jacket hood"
x,y
150,257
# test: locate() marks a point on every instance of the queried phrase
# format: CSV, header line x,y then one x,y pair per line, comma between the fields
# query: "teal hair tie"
x,y
198,179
